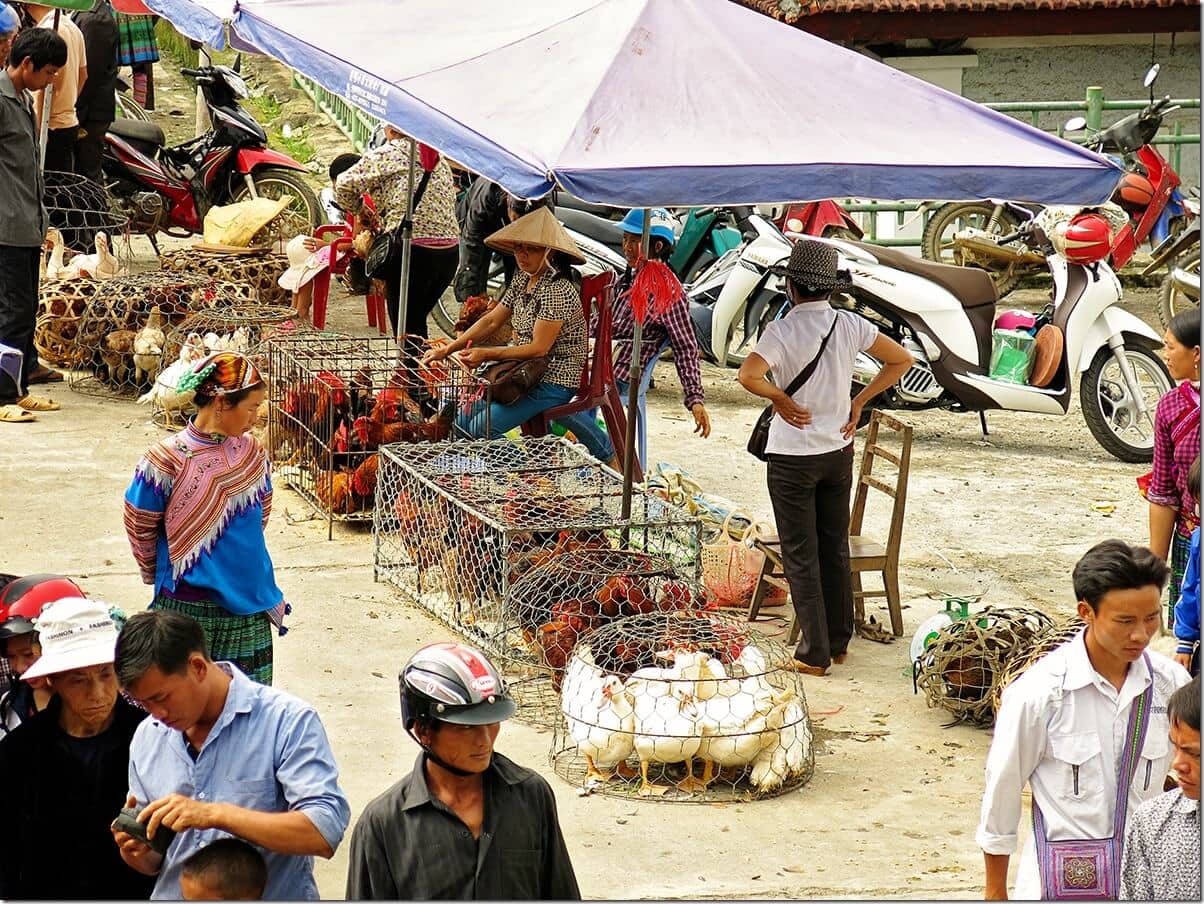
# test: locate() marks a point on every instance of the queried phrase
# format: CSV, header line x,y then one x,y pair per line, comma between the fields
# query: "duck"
x,y
54,266
148,347
735,729
787,758
99,266
665,730
163,392
601,720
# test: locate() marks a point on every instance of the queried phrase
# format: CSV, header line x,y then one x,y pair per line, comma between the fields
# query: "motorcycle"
x,y
945,317
1181,255
823,219
170,189
1148,193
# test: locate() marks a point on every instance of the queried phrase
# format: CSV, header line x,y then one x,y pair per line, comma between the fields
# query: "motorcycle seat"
x,y
969,285
605,231
564,199
134,130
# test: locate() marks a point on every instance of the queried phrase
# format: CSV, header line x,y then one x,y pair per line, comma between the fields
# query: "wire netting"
x,y
646,697
961,668
334,402
559,597
1060,632
80,208
116,349
258,268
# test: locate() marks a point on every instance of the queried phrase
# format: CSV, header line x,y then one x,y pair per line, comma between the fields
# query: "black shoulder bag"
x,y
759,439
387,245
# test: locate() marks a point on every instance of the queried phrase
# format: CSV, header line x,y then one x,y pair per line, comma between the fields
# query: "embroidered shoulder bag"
x,y
1089,869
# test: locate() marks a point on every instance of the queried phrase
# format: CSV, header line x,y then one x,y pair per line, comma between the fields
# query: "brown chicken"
x,y
475,307
333,489
312,414
363,480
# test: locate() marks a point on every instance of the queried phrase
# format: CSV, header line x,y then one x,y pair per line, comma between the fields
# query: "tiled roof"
x,y
793,10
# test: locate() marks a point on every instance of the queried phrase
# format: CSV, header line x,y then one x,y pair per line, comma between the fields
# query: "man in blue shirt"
x,y
223,756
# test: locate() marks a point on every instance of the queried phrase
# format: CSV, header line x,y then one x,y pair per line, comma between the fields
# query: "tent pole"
x,y
407,237
47,99
635,375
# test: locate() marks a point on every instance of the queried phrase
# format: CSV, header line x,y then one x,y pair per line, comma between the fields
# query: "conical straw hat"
x,y
539,227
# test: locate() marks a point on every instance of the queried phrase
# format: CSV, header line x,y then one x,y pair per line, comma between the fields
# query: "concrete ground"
x,y
893,804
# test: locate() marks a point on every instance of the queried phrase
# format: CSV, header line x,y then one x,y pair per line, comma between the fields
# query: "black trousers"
x,y
90,148
810,496
431,272
60,149
18,314
475,260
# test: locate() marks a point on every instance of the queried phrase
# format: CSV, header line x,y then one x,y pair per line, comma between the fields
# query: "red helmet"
x,y
22,600
1087,239
1134,193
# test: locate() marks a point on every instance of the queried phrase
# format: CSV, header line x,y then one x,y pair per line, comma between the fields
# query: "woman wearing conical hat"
x,y
543,309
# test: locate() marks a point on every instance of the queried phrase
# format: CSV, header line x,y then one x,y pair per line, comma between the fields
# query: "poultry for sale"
x,y
735,729
313,412
148,347
333,490
475,307
100,265
779,762
363,480
421,528
665,730
164,393
601,719
117,351
54,265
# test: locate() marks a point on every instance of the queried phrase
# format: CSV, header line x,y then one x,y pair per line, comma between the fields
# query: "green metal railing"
x,y
358,126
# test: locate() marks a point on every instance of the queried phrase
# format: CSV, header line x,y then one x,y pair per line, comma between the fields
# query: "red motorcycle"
x,y
824,219
170,189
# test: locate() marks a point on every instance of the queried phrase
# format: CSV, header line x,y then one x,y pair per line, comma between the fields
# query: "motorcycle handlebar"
x,y
191,73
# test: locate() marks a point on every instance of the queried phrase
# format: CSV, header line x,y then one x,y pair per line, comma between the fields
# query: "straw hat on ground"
x,y
539,227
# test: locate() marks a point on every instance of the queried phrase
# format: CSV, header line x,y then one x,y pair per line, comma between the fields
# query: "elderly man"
x,y
223,756
67,767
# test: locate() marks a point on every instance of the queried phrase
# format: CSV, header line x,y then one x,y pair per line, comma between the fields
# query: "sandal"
x,y
15,414
37,403
45,375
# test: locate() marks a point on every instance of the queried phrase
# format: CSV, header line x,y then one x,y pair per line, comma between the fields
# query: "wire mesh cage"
x,y
960,669
335,401
117,346
1062,631
260,268
79,209
559,597
244,329
62,304
458,524
646,697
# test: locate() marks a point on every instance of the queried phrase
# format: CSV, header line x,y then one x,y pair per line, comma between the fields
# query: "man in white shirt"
x,y
1062,725
64,123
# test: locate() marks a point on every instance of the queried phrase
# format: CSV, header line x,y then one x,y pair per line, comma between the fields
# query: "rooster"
x,y
333,489
475,307
313,413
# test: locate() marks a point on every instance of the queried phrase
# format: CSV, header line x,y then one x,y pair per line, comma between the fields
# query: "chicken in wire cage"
x,y
686,705
79,211
242,328
259,268
113,351
1061,632
561,595
959,670
334,402
458,524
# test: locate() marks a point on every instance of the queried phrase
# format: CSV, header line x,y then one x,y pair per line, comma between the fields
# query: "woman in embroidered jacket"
x,y
195,514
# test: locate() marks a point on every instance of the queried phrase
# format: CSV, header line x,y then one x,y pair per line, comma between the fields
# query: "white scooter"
x,y
945,315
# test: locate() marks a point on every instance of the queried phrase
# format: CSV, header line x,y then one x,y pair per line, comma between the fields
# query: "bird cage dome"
x,y
559,598
689,706
116,352
242,328
1062,631
259,268
79,209
959,670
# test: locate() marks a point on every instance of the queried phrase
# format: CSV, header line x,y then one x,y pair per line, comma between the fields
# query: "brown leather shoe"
x,y
814,671
839,658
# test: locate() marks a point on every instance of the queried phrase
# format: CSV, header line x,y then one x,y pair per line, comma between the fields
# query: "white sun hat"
x,y
74,633
302,265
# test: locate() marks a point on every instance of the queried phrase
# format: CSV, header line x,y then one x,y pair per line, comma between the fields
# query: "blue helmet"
x,y
10,22
661,226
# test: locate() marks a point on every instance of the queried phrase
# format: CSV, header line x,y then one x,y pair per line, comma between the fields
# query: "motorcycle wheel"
x,y
1170,300
936,244
128,108
1110,414
275,182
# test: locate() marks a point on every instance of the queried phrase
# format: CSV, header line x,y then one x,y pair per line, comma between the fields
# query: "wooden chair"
x,y
597,388
865,553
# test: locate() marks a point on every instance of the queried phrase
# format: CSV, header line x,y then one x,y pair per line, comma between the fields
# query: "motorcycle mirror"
x,y
1151,75
1076,124
238,63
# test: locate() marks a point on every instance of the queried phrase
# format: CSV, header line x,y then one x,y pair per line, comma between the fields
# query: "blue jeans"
x,y
501,419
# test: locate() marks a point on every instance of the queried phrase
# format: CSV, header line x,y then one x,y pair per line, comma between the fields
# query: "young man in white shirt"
x,y
1062,726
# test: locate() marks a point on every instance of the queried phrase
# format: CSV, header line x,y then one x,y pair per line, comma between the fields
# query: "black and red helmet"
x,y
22,600
453,682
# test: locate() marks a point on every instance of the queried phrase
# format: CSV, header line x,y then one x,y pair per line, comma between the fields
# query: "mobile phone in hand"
x,y
127,821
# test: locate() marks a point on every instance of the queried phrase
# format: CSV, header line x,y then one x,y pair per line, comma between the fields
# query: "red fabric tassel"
x,y
655,289
428,157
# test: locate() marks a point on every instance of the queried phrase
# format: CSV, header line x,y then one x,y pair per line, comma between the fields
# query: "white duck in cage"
x,y
53,264
99,266
164,393
786,759
665,731
736,729
601,718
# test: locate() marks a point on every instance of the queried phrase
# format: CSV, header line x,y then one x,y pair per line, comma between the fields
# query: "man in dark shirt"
x,y
97,100
467,823
484,209
68,768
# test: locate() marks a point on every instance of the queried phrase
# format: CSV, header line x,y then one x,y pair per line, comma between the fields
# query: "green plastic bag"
x,y
1012,353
